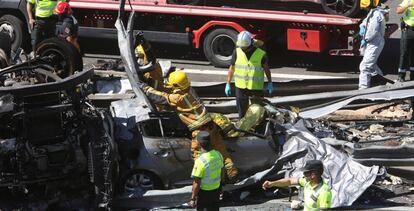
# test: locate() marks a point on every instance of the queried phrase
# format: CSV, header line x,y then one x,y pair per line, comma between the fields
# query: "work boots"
x,y
401,76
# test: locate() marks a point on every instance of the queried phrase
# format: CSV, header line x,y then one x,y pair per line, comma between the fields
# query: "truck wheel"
x,y
4,60
348,8
219,45
15,28
64,57
5,43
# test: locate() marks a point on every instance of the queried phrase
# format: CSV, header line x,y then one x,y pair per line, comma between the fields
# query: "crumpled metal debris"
x,y
340,171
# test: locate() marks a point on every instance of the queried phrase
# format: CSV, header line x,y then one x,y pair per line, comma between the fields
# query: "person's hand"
x,y
362,31
32,23
227,90
267,184
192,203
142,85
270,87
363,43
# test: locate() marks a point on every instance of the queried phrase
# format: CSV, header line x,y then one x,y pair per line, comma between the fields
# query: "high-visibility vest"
x,y
44,8
408,17
249,73
312,201
212,162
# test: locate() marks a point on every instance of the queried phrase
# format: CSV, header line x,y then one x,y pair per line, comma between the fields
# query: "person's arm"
x,y
404,6
230,73
156,96
195,190
29,10
267,72
285,182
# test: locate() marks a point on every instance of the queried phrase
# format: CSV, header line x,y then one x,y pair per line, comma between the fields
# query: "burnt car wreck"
x,y
51,138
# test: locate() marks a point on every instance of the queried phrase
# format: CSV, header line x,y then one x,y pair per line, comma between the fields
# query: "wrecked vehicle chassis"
x,y
51,138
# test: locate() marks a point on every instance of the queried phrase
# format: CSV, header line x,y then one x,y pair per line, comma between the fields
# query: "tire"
x,y
348,8
219,45
65,58
5,44
147,181
4,60
16,29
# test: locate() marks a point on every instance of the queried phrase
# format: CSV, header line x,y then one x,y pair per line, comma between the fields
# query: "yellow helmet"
x,y
140,53
178,80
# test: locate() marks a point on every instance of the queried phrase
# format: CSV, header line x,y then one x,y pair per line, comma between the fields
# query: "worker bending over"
x,y
192,113
69,28
145,56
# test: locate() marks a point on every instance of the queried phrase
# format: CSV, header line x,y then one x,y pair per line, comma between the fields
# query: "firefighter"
x,y
372,31
43,23
207,174
145,55
317,193
69,28
192,113
249,65
407,39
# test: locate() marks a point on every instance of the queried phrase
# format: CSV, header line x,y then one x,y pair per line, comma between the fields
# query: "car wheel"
x,y
348,8
15,28
64,57
219,45
136,182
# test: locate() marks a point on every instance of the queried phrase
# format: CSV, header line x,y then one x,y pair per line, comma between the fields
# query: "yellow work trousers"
x,y
217,144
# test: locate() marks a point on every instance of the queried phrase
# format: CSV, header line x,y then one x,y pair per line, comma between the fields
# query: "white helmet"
x,y
244,39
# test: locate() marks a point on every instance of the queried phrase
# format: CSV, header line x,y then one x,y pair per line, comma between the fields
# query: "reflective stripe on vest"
x,y
408,17
249,73
199,120
212,176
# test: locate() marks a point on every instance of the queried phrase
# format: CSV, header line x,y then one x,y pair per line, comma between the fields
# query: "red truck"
x,y
210,28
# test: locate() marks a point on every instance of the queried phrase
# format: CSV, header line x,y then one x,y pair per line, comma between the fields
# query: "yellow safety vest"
x,y
44,8
408,17
317,197
249,73
212,163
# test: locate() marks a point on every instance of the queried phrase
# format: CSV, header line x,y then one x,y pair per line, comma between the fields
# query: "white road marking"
x,y
274,75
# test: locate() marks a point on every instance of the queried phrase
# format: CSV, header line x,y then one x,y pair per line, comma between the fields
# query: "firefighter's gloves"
x,y
227,90
270,87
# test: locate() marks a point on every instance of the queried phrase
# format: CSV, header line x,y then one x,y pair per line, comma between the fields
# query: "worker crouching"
x,y
192,113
